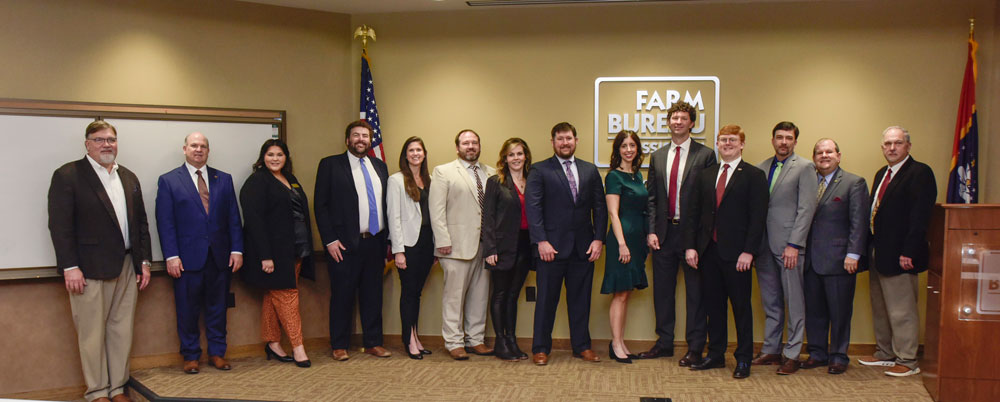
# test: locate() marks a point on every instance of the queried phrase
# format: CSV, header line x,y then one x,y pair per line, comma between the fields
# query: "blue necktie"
x,y
372,207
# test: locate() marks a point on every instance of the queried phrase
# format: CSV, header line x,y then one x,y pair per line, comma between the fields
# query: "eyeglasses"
x,y
102,140
724,140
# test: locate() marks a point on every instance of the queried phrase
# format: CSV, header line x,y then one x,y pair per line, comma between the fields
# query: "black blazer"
x,y
501,222
84,227
902,218
337,201
699,157
552,214
269,231
740,217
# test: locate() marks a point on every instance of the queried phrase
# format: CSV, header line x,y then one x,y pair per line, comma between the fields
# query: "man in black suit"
x,y
567,221
725,226
838,238
98,226
350,215
903,194
670,167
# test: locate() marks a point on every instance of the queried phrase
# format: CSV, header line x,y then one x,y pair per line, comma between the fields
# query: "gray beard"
x,y
107,159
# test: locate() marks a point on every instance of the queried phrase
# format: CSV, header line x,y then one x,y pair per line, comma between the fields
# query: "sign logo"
x,y
640,104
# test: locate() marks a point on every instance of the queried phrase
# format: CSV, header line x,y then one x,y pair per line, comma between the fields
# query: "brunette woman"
x,y
278,242
506,244
410,233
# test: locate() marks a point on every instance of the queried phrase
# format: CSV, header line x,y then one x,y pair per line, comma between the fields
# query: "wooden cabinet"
x,y
961,360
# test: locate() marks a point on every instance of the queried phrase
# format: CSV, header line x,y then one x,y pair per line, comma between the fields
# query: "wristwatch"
x,y
147,263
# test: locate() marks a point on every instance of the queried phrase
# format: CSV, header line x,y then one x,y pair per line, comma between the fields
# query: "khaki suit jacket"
x,y
456,217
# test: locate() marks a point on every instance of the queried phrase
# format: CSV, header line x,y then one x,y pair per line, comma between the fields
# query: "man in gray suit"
x,y
793,186
669,170
837,240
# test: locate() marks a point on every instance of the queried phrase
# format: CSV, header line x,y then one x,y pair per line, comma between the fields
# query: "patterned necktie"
x,y
720,189
672,188
202,189
571,178
372,206
881,192
822,188
774,176
479,186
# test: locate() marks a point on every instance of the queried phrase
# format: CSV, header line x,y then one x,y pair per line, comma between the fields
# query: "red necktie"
x,y
672,188
885,183
720,188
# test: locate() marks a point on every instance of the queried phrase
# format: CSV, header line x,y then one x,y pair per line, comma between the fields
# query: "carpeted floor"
x,y
439,378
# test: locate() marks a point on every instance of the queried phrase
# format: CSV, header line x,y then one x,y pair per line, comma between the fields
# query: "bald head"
x,y
196,149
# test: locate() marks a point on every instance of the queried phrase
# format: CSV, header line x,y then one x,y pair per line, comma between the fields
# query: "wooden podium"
x,y
961,360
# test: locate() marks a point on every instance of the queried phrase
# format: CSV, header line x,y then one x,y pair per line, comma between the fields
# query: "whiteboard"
x,y
38,145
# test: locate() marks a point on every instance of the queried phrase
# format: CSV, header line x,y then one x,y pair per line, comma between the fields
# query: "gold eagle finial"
x,y
364,32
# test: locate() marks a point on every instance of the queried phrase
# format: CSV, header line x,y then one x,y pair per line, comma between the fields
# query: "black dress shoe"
x,y
742,370
689,359
709,363
304,364
415,356
836,368
613,355
655,352
270,353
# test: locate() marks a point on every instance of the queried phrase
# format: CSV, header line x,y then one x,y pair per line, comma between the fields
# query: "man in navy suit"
x,y
198,219
567,220
725,227
350,214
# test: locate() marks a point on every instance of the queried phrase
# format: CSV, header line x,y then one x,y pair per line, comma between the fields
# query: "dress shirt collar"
x,y
686,145
895,168
732,164
355,158
468,165
562,162
828,177
192,170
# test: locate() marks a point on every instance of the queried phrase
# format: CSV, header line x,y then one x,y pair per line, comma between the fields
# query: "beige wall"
x,y
841,69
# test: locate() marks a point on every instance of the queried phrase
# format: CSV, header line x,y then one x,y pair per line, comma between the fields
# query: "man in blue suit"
x,y
198,219
567,221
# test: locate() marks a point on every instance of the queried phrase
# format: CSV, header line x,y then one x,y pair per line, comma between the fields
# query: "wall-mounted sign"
x,y
640,104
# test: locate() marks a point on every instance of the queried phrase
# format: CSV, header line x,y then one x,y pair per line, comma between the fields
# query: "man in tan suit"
x,y
456,204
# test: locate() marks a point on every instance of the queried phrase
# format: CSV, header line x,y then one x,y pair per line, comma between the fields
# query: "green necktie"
x,y
774,177
822,189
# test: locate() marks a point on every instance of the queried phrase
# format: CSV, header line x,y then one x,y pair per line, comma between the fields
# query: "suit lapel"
x,y
98,187
831,188
129,187
687,164
893,181
213,188
786,167
463,172
735,175
561,175
189,188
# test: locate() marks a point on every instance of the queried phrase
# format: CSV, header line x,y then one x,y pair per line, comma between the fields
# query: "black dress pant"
x,y
721,282
578,274
357,276
419,260
666,262
829,307
507,287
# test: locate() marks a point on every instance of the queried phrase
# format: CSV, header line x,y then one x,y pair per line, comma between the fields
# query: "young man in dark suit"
x,y
725,229
838,238
98,225
903,194
350,215
567,221
672,170
201,235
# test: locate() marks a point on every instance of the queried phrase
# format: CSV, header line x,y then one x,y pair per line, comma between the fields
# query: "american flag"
x,y
369,111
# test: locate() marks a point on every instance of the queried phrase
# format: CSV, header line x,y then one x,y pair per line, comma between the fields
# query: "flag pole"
x,y
972,26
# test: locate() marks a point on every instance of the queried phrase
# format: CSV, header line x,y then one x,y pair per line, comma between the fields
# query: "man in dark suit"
x,y
724,229
567,221
198,219
903,194
98,226
670,167
350,215
838,238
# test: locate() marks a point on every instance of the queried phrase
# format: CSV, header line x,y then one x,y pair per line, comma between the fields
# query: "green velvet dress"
x,y
620,277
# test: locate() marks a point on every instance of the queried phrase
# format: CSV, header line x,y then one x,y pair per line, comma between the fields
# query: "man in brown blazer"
x,y
101,239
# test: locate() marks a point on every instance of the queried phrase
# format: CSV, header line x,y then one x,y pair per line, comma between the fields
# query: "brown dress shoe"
x,y
340,355
120,398
812,363
588,355
378,351
789,367
540,359
689,359
219,363
766,359
459,354
480,349
190,367
836,368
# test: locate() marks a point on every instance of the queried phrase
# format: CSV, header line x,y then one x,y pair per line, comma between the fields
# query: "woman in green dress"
x,y
625,265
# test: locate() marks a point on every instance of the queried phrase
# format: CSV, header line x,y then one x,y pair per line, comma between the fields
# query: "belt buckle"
x,y
675,221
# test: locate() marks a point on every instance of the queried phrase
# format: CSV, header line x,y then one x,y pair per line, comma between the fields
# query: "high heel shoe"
x,y
611,354
415,356
270,353
425,352
304,364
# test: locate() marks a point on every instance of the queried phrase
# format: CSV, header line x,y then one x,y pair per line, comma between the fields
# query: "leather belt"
x,y
366,235
128,251
675,221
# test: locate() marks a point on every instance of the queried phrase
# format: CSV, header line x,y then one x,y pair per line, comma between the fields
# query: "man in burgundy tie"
x,y
670,167
723,229
903,194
